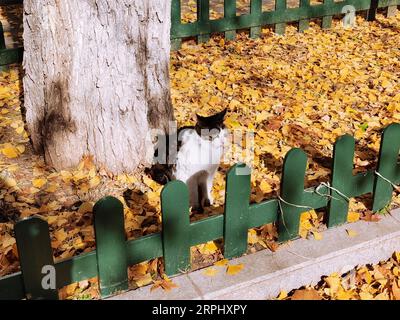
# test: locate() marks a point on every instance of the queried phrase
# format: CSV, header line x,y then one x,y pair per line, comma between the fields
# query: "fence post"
x,y
280,5
255,11
391,10
371,14
327,20
292,190
305,23
111,252
203,19
175,227
230,12
175,21
388,168
2,46
342,180
237,202
2,39
36,259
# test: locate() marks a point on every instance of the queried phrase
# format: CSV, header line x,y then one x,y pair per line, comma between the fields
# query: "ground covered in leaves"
x,y
298,90
369,282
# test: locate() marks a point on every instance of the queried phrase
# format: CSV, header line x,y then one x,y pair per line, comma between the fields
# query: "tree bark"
x,y
96,79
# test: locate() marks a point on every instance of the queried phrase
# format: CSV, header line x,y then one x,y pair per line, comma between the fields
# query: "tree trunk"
x,y
96,79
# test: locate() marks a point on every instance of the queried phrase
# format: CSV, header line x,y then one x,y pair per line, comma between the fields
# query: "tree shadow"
x,y
12,15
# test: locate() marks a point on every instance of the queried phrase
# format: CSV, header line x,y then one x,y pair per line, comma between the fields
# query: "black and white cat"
x,y
199,152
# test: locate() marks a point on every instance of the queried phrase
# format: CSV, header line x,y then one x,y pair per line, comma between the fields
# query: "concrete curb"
x,y
295,264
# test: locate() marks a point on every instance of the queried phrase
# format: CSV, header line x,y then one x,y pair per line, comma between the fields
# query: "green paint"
x,y
256,19
114,253
304,24
255,11
236,222
387,166
175,227
110,246
342,180
230,13
203,20
35,255
292,190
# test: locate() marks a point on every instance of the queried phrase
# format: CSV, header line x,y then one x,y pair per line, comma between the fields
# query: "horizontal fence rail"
x,y
114,254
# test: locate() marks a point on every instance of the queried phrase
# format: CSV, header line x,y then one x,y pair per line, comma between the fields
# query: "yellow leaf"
x,y
38,183
208,248
4,92
333,282
85,207
366,296
353,217
252,236
60,235
21,148
210,272
10,182
282,295
221,263
235,269
144,280
10,151
52,188
351,233
94,182
265,187
317,235
20,130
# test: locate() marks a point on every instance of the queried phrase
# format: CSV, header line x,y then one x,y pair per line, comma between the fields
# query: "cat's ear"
x,y
222,114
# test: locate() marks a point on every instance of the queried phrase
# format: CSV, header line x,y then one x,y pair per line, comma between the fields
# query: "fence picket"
x,y
111,250
176,18
2,39
292,191
175,227
342,180
255,11
304,24
327,20
387,167
391,11
36,259
237,202
230,12
280,7
203,20
371,14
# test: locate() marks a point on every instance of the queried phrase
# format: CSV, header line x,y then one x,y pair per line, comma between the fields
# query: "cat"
x,y
199,150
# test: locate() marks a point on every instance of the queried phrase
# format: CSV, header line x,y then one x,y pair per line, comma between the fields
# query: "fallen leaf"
x,y
210,272
351,233
306,294
234,269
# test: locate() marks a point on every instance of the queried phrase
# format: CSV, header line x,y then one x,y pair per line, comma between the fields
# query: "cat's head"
x,y
210,127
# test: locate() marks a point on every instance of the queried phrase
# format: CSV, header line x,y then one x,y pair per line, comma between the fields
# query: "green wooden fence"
x,y
114,254
231,22
9,55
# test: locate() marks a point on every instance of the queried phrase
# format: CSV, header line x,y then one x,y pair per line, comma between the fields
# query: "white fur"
x,y
197,162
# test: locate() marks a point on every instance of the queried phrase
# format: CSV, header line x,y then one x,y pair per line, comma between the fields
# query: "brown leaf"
x,y
306,294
